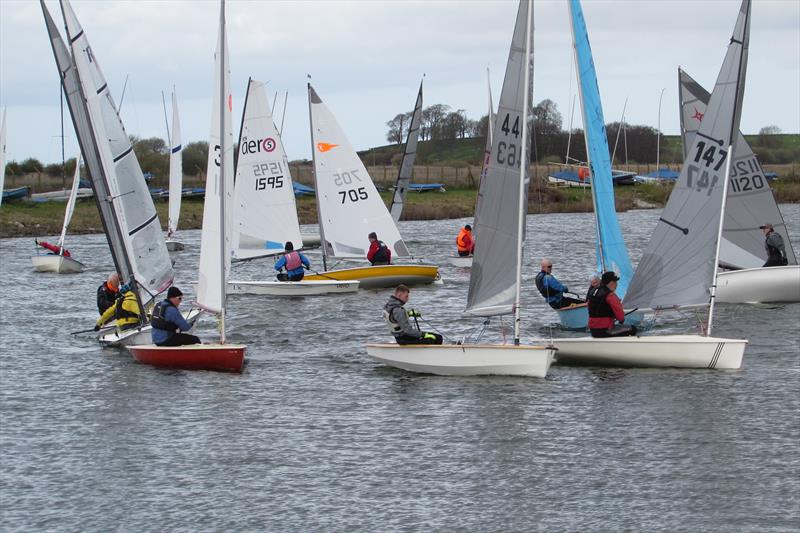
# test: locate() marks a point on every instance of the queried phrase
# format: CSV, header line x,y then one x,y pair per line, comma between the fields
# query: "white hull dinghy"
x,y
58,264
760,285
657,351
466,359
459,261
139,335
292,288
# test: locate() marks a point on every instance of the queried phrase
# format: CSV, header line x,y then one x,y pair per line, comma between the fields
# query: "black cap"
x,y
173,292
288,246
608,277
468,227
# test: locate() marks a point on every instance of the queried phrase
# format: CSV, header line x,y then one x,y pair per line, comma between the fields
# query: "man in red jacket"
x,y
605,307
378,253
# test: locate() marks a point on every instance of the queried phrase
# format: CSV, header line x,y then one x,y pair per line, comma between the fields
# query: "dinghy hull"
x,y
174,246
217,357
576,317
56,263
766,285
138,336
292,288
466,359
382,276
461,262
657,351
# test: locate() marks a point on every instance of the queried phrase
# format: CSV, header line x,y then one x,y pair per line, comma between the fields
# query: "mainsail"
x,y
750,200
215,244
146,251
679,265
3,153
265,214
175,170
407,164
349,207
494,279
70,208
611,251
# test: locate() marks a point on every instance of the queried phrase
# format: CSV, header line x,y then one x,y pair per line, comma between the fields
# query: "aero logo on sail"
x,y
253,147
324,147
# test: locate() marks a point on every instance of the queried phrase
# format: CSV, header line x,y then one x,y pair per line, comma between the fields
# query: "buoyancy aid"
x,y
549,294
598,306
106,295
120,313
382,255
774,252
159,319
293,261
394,327
464,240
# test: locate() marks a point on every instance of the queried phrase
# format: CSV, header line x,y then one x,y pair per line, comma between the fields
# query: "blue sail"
x,y
611,251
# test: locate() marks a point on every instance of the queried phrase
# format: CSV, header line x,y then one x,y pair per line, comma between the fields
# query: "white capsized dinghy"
x,y
494,287
680,262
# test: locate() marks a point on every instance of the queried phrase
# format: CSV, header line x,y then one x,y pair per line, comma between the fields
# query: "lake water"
x,y
314,436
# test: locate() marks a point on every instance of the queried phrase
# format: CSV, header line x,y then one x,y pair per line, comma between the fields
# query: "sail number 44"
x,y
509,153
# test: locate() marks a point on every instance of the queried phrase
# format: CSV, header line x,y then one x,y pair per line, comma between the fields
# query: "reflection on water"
x,y
313,432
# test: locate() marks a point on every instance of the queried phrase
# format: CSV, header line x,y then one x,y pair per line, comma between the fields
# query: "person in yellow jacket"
x,y
125,311
465,241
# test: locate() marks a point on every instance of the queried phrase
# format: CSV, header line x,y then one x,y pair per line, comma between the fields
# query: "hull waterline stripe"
x,y
138,228
123,154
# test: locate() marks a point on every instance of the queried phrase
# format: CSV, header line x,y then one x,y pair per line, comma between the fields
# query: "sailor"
x,y
396,318
168,323
294,262
552,289
378,253
604,307
776,252
107,293
465,242
125,310
55,249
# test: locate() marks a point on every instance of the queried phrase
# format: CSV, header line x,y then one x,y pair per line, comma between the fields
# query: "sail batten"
x,y
493,279
407,163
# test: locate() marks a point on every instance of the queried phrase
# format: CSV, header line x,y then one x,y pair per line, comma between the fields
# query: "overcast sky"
x,y
367,57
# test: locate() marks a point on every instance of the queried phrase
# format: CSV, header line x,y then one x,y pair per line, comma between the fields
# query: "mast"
x,y
522,171
166,120
283,115
222,102
322,241
734,129
63,154
490,116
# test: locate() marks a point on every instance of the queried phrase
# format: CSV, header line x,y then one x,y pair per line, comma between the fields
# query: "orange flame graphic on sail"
x,y
324,147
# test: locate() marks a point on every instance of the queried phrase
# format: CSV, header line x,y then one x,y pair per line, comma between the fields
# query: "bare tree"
x,y
396,128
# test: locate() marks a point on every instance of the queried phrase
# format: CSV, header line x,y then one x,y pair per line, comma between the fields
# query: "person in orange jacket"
x,y
465,242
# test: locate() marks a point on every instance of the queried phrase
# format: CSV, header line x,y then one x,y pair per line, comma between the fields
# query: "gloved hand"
x,y
307,267
566,289
96,327
430,336
414,313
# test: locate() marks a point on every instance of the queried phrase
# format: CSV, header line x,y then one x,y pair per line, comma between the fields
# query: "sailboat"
x,y
126,209
175,179
466,261
679,267
610,250
750,204
407,163
494,287
215,244
61,263
265,213
349,208
3,154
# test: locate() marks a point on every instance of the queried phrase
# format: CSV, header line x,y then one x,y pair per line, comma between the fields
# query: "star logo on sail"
x,y
324,147
698,115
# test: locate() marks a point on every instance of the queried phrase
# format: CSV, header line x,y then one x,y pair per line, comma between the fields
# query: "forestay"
x,y
407,163
175,170
679,264
70,208
215,244
348,203
493,279
611,252
265,214
750,200
141,232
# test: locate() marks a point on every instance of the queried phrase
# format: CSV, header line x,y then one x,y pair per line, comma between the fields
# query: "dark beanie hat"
x,y
289,246
173,292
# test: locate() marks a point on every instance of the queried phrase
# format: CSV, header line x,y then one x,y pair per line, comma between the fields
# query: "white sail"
x,y
145,249
494,280
750,200
73,195
679,265
215,244
265,214
3,154
407,164
175,170
348,203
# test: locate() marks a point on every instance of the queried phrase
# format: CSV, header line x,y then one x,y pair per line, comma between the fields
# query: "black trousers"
x,y
406,339
463,253
565,302
619,331
283,276
775,262
180,339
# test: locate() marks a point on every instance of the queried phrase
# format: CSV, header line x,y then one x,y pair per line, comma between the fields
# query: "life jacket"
x,y
773,252
461,242
159,320
122,315
105,297
382,255
549,294
293,261
596,299
394,327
